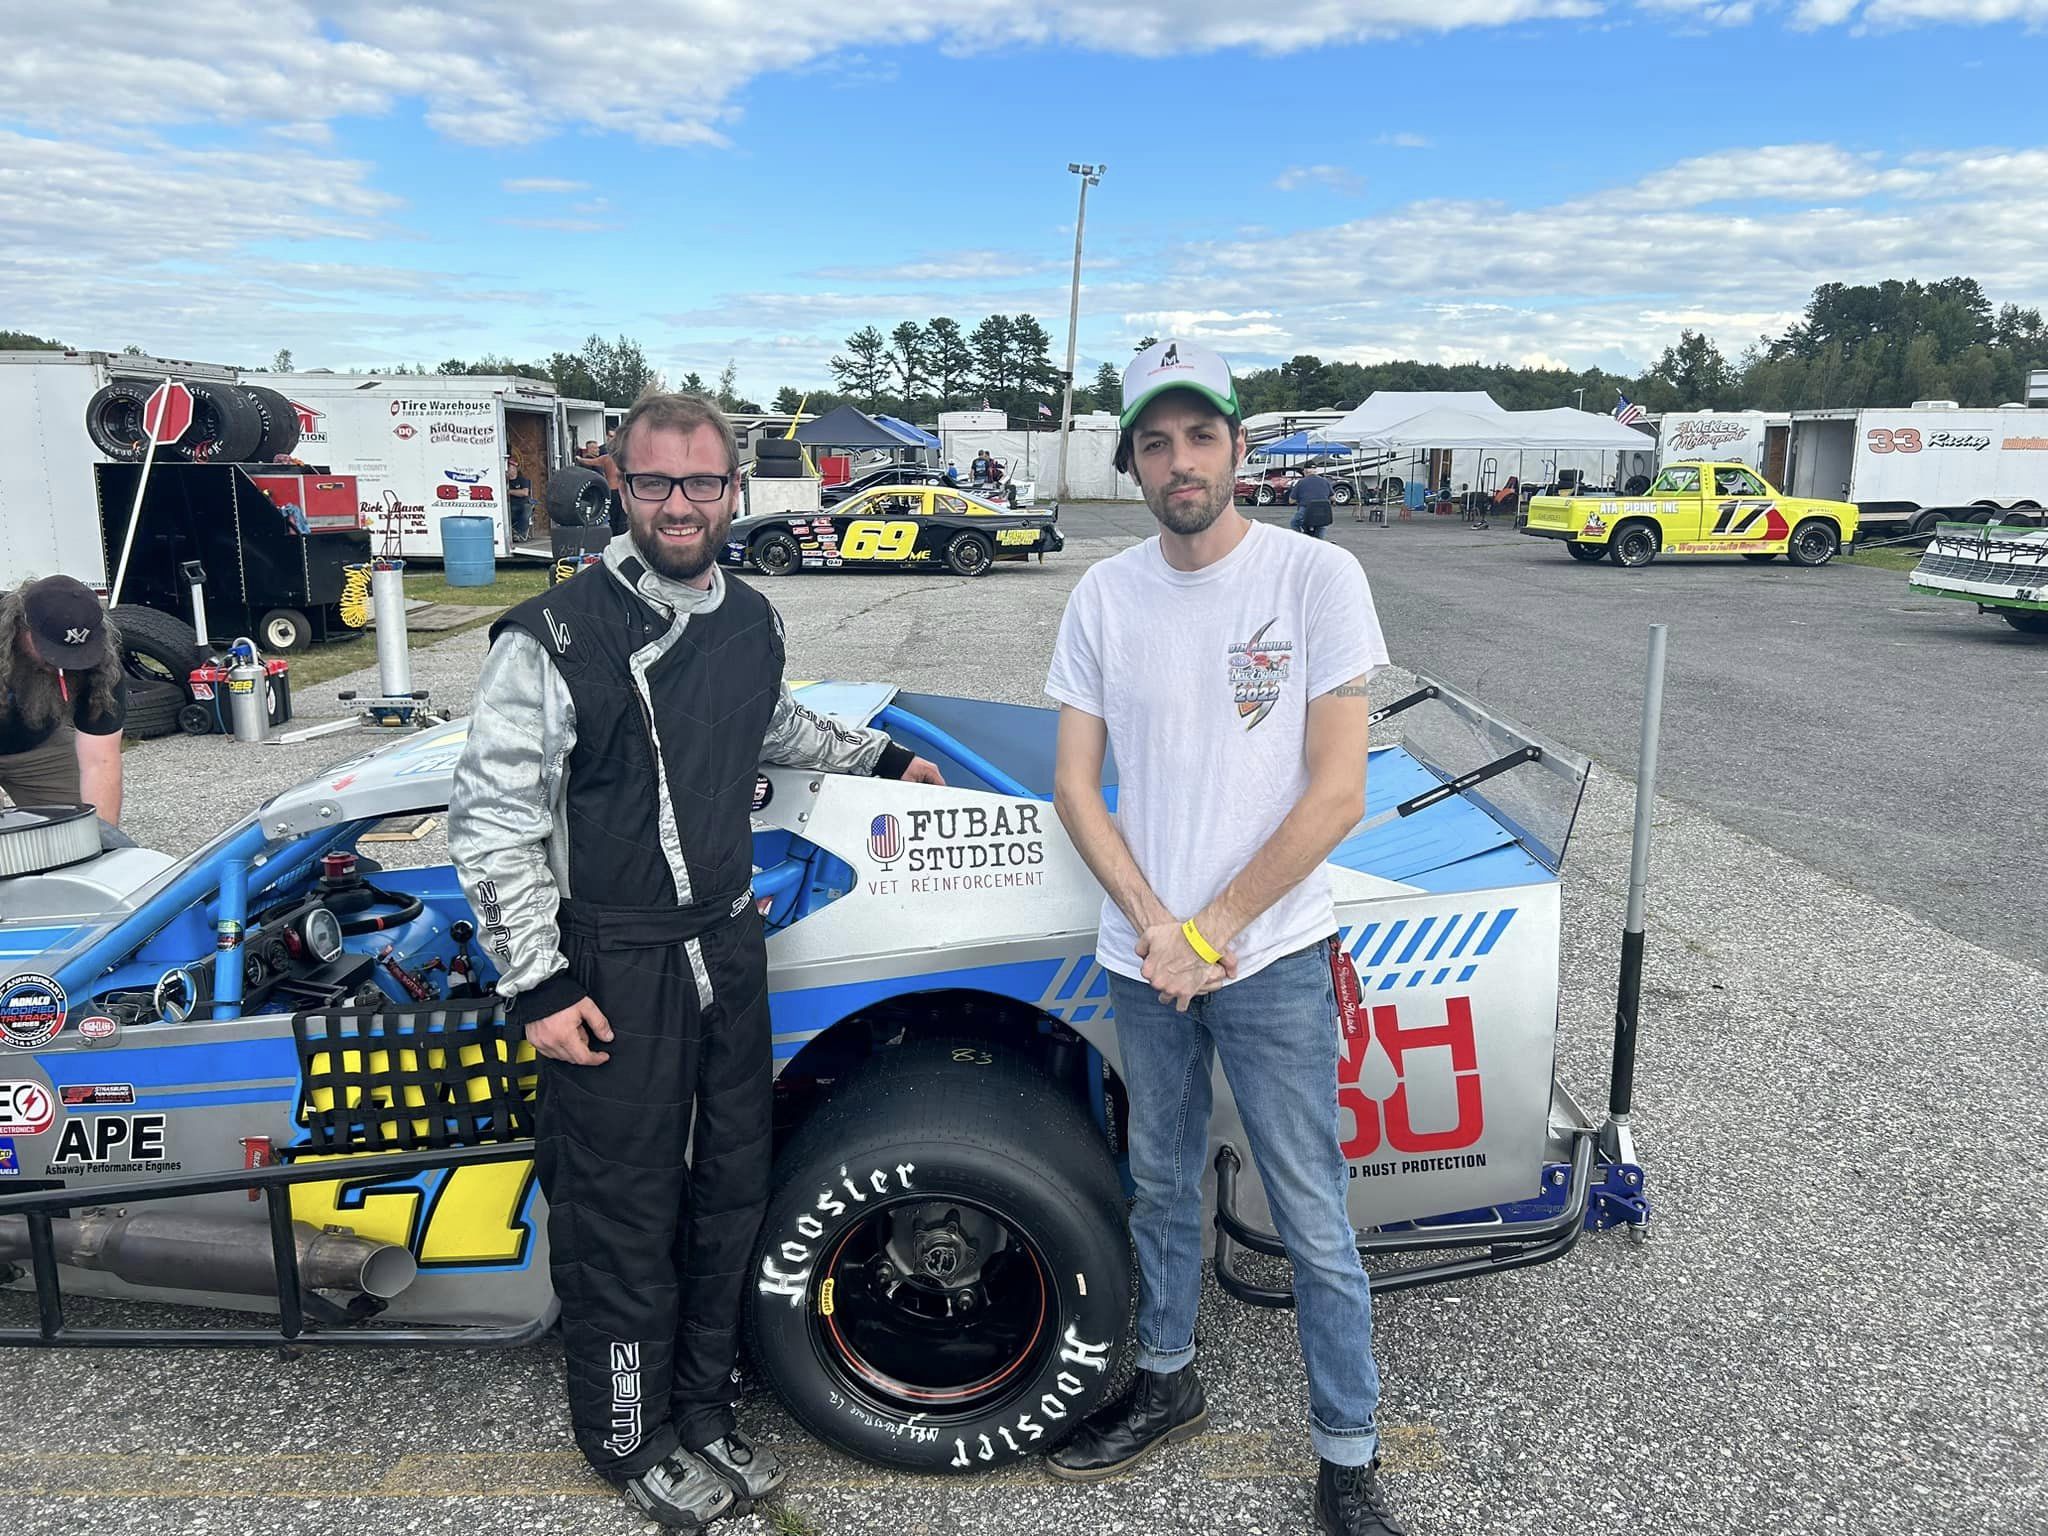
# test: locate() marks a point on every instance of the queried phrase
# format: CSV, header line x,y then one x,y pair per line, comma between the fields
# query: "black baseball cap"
x,y
69,625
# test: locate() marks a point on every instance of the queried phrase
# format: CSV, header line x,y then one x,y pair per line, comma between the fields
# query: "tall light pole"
x,y
1091,175
1582,398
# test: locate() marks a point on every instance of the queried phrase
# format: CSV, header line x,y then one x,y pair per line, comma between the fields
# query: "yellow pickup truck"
x,y
1697,509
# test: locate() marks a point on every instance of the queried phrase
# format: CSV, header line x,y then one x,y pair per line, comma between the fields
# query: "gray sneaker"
x,y
682,1491
753,1471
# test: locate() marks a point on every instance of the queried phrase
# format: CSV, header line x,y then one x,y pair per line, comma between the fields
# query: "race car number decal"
x,y
451,1218
873,539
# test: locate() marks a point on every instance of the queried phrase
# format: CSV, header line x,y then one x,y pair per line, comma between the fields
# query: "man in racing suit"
x,y
600,823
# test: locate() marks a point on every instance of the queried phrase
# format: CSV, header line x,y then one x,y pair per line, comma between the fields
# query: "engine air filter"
x,y
34,838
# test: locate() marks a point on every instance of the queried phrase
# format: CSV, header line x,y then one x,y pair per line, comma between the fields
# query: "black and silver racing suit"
x,y
600,823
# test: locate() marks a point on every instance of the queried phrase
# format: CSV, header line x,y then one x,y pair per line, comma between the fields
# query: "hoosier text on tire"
x,y
943,1281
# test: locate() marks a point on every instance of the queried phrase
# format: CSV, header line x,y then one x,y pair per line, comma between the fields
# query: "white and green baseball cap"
x,y
1176,365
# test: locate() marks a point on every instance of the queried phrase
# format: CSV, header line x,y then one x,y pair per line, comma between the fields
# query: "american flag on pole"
x,y
1626,411
1045,410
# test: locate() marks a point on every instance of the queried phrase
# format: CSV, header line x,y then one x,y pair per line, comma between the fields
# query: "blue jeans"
x,y
1277,1033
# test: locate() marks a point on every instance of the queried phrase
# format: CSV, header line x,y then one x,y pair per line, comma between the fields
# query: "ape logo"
x,y
1393,1122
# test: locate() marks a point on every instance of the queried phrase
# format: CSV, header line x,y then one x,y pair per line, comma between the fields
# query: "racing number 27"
x,y
870,538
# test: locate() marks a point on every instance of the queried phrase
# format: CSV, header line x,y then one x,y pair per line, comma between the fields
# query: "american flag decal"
x,y
885,840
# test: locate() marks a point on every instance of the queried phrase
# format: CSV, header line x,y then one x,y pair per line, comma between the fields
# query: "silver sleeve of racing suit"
x,y
802,738
505,826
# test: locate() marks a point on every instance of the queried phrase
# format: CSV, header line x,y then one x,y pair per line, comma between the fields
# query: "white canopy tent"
x,y
1385,408
1469,422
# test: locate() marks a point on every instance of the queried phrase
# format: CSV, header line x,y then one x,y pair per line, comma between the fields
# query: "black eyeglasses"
x,y
658,488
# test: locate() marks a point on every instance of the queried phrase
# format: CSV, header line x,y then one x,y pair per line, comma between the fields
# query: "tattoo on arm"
x,y
1351,690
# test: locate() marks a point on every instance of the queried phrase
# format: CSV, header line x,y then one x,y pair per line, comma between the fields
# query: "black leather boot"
x,y
1349,1502
1159,1410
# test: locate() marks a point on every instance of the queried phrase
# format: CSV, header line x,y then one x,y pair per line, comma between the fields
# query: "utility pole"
x,y
1582,398
1091,175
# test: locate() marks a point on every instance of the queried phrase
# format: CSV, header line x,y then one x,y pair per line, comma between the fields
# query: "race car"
x,y
271,1077
1697,509
921,527
2001,567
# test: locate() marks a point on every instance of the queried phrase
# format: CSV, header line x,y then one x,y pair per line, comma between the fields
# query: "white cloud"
x,y
552,184
1334,177
1402,141
951,266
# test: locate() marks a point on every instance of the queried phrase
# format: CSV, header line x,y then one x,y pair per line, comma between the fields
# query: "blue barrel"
x,y
469,551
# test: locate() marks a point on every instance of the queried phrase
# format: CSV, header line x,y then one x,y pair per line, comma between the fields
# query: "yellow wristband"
x,y
1198,944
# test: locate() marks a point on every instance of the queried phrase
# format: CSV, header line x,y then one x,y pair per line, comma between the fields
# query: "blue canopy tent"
x,y
911,434
1299,443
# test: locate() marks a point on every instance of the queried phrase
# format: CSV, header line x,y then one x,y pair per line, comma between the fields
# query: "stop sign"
x,y
168,412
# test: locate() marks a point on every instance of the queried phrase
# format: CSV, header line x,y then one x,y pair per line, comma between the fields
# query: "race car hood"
x,y
417,774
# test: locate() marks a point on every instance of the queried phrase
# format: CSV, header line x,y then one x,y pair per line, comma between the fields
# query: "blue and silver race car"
x,y
272,1076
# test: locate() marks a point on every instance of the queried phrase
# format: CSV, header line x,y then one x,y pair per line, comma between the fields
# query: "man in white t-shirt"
x,y
1225,662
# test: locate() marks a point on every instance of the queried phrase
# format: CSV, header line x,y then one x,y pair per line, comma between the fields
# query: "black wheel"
x,y
1637,484
1634,544
969,555
157,653
153,710
2017,519
1265,496
1585,552
226,426
578,498
113,419
2028,621
1925,524
944,1277
1814,542
1980,516
284,630
280,422
1760,559
775,554
1340,493
196,719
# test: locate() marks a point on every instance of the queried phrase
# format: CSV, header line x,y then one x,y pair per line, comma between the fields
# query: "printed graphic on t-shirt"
x,y
1258,671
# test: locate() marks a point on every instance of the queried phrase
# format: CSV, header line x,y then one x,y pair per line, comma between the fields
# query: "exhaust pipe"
x,y
210,1253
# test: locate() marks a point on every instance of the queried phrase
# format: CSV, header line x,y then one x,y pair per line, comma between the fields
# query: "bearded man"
x,y
601,825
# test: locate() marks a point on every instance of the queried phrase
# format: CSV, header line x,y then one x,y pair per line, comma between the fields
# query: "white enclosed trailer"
x,y
1910,469
1721,437
423,448
49,510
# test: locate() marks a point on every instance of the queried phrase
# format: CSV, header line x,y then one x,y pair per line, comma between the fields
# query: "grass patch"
x,y
515,583
324,663
785,1521
1896,557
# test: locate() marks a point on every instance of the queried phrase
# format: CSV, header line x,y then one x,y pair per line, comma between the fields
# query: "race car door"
x,y
1744,514
884,526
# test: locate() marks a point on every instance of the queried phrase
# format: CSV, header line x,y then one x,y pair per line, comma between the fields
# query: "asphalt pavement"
x,y
1836,1323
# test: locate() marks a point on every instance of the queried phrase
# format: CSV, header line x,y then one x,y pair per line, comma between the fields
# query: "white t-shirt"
x,y
1204,679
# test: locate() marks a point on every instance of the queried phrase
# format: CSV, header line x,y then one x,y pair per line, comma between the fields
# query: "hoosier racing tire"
x,y
1586,554
775,554
944,1278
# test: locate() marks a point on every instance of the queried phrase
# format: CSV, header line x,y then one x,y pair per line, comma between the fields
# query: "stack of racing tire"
x,y
231,423
778,458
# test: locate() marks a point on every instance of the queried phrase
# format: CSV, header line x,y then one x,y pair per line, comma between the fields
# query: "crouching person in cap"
x,y
600,822
60,726
1225,664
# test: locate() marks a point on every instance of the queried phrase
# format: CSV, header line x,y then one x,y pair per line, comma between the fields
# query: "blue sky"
x,y
1514,180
